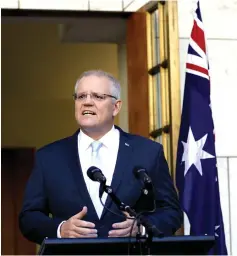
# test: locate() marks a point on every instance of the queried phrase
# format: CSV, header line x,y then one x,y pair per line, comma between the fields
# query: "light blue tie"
x,y
94,186
96,145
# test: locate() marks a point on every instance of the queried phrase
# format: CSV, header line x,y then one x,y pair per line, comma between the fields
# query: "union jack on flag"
x,y
197,62
196,171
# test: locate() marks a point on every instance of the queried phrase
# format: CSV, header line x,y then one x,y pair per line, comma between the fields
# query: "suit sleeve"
x,y
168,214
34,221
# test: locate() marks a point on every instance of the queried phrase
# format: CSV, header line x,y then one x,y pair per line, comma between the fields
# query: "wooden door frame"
x,y
171,95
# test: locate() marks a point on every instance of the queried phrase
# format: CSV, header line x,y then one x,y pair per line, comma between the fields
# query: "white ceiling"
x,y
85,5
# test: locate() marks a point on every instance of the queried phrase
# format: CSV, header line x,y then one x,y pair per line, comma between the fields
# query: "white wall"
x,y
220,24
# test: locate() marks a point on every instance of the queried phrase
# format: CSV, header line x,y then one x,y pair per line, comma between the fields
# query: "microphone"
x,y
95,174
147,201
141,174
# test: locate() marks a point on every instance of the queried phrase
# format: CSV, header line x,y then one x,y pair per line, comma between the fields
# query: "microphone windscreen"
x,y
91,171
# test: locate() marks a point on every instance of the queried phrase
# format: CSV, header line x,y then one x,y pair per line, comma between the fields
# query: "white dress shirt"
x,y
107,160
108,157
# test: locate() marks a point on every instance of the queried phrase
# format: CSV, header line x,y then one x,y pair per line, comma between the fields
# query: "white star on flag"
x,y
193,152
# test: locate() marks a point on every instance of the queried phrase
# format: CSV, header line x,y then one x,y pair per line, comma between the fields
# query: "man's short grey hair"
x,y
115,88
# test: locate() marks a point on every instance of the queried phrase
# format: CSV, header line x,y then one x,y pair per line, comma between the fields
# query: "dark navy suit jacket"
x,y
57,186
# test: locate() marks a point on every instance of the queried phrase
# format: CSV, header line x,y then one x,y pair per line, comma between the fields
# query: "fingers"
x,y
84,224
124,224
127,214
69,229
74,234
81,214
123,229
76,219
85,231
90,235
120,232
75,227
81,231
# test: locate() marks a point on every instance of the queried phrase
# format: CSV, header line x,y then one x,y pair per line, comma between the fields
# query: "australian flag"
x,y
196,169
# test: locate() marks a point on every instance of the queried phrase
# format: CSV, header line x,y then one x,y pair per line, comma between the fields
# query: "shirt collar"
x,y
84,140
107,140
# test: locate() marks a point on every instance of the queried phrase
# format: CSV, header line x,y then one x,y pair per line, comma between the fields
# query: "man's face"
x,y
92,112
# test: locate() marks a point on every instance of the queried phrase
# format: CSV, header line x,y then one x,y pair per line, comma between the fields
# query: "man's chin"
x,y
88,126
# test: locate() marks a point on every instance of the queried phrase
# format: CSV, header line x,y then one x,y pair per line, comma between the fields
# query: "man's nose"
x,y
88,100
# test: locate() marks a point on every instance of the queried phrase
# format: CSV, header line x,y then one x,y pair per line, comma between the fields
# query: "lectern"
x,y
174,245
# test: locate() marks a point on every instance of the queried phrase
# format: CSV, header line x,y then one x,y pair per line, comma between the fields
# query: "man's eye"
x,y
82,96
99,97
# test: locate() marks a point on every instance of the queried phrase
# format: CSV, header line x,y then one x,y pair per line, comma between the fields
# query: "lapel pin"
x,y
126,144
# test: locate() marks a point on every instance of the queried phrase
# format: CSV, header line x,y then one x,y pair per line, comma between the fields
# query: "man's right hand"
x,y
75,227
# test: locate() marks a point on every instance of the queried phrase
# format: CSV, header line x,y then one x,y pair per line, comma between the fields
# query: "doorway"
x,y
17,164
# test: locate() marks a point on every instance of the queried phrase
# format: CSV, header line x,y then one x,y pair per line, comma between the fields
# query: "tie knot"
x,y
96,145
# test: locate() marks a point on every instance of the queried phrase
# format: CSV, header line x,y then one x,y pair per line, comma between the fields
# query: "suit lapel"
x,y
75,167
123,162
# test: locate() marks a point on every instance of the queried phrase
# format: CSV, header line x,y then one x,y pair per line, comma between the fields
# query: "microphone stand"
x,y
121,206
152,230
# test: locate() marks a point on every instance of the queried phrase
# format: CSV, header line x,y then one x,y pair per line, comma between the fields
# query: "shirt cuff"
x,y
58,230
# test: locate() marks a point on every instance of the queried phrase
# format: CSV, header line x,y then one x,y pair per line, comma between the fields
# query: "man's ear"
x,y
117,107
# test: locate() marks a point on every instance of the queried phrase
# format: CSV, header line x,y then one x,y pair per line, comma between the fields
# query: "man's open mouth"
x,y
88,112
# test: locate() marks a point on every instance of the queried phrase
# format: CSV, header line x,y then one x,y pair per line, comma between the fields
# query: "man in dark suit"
x,y
59,184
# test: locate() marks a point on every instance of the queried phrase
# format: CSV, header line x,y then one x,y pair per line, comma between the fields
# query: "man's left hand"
x,y
123,229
